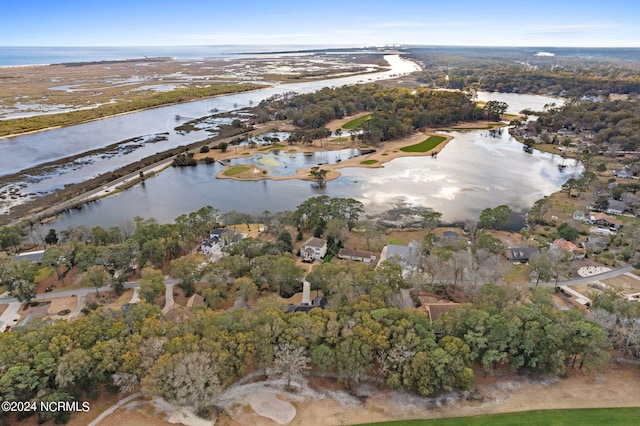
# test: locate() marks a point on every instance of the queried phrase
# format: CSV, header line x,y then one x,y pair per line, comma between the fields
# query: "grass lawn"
x,y
236,170
340,139
357,122
426,145
369,162
582,417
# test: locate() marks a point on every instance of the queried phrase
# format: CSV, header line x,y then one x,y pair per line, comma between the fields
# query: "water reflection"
x,y
474,171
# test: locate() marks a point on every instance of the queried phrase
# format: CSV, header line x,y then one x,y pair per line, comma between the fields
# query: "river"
x,y
476,170
22,152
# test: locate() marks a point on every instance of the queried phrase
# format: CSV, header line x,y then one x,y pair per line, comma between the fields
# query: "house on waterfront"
x,y
407,257
519,255
356,255
313,249
219,238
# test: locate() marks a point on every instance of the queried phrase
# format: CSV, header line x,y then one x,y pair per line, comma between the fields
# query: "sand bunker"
x,y
268,405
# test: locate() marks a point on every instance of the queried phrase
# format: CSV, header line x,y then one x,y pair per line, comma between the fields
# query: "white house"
x,y
219,238
312,249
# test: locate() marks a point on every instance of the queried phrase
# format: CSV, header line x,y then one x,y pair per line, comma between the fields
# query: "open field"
x,y
584,417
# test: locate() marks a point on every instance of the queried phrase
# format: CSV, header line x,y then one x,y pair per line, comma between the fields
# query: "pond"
x,y
476,170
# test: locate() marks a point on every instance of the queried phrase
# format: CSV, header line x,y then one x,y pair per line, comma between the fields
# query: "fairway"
x,y
582,417
424,146
356,123
236,170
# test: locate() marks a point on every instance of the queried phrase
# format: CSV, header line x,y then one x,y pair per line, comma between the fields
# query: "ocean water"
x,y
17,56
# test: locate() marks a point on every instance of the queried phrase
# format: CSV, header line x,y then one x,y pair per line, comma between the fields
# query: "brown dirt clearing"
x,y
616,386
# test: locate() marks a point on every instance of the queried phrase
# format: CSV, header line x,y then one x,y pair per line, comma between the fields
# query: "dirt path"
x,y
618,385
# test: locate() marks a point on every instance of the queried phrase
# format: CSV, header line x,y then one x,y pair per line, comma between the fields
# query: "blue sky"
x,y
586,23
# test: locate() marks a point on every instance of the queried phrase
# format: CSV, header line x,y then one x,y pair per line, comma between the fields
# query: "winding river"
x,y
478,169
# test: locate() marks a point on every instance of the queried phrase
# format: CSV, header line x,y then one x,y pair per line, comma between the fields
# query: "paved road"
x,y
583,280
11,315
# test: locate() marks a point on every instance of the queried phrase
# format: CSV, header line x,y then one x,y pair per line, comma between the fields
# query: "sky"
x,y
553,23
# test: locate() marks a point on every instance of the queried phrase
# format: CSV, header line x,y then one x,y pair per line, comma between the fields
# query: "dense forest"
x,y
610,126
395,113
512,72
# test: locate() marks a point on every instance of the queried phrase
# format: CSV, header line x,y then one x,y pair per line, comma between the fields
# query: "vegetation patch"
x,y
356,122
236,170
426,145
367,162
584,416
27,124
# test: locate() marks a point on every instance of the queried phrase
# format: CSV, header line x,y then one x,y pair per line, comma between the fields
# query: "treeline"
x,y
613,123
191,362
395,112
513,73
29,124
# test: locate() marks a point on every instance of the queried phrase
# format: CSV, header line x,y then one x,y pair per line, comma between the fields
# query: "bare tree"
x,y
290,360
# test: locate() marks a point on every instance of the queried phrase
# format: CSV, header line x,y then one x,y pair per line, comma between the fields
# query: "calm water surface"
x,y
475,171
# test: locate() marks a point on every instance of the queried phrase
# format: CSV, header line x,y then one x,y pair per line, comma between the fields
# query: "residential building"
x,y
356,255
567,246
520,254
313,249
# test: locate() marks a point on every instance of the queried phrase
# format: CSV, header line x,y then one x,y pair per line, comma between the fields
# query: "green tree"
x,y
96,276
496,217
323,356
151,284
51,238
284,241
494,110
186,269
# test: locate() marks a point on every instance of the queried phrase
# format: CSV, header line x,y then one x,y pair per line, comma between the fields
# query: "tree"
x,y
18,277
541,266
323,357
567,232
96,276
569,185
432,220
54,256
151,284
290,360
186,379
51,238
186,269
496,217
495,109
319,175
284,241
10,237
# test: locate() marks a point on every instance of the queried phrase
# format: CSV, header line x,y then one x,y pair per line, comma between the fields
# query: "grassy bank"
x,y
583,417
31,124
426,145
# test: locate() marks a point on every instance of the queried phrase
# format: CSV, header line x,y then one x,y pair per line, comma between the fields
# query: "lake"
x,y
476,170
